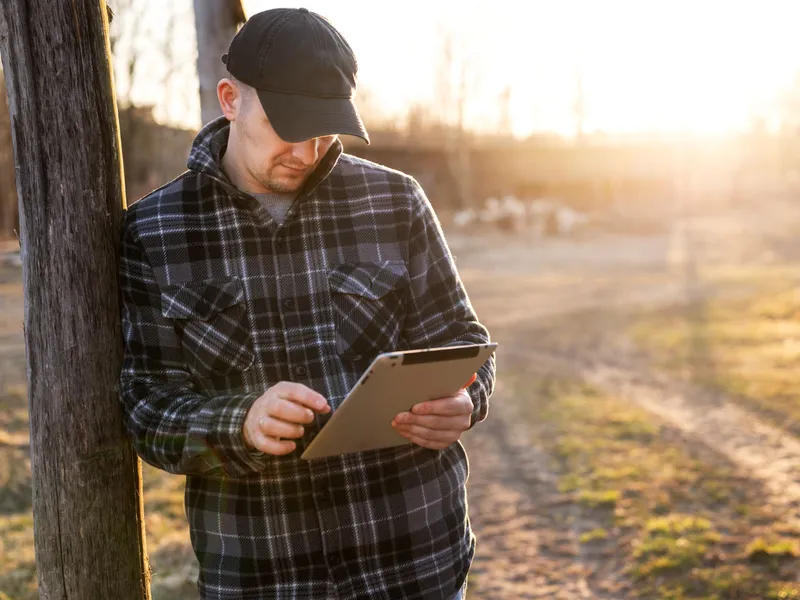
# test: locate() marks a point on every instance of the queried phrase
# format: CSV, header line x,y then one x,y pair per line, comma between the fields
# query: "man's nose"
x,y
307,152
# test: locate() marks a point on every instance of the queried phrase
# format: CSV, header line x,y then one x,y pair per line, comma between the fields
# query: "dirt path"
x,y
765,452
517,287
528,533
528,545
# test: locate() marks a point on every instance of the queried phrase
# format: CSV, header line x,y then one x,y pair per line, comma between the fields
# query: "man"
x,y
257,287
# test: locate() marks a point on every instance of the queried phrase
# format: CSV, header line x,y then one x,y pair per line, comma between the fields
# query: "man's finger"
x,y
446,407
301,394
458,422
272,446
431,435
291,412
272,427
431,445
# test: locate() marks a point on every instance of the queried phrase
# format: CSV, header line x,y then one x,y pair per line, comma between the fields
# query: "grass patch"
x,y
672,544
18,571
770,551
594,535
599,499
784,590
171,558
748,347
681,518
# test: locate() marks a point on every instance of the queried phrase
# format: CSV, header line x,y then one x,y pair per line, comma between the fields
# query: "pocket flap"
x,y
369,279
200,300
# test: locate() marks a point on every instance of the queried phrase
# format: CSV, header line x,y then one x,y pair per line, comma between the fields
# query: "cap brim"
x,y
296,118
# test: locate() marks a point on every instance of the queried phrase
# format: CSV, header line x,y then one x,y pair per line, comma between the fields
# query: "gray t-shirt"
x,y
277,205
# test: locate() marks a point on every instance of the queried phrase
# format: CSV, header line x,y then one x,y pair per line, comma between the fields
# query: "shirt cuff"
x,y
237,458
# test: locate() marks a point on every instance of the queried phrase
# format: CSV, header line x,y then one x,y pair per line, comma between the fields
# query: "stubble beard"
x,y
280,185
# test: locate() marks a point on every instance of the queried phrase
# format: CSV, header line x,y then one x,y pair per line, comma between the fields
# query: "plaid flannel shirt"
x,y
220,302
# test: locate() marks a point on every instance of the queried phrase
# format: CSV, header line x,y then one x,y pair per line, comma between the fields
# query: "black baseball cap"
x,y
303,71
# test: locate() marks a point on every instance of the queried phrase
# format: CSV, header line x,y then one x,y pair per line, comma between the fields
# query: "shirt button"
x,y
301,370
280,242
323,497
334,559
288,304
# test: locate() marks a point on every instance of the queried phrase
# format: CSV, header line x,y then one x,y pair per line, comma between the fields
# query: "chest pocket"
x,y
210,318
369,306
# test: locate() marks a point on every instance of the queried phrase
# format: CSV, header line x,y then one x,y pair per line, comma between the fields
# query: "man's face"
x,y
277,165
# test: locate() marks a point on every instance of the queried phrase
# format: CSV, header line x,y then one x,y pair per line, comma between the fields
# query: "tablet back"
x,y
394,383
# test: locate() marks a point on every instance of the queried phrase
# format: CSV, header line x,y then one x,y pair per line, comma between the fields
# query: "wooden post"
x,y
8,195
216,22
87,500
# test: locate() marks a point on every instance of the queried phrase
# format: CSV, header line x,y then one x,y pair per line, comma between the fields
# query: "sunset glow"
x,y
703,66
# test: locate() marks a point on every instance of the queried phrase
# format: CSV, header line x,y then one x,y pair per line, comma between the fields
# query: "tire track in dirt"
x,y
764,452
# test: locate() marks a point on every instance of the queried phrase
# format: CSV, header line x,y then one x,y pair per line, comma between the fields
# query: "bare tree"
x,y
579,106
789,111
87,495
504,126
216,22
456,79
124,35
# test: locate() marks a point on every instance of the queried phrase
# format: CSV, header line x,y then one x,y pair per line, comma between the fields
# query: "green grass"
x,y
672,545
685,523
592,535
599,498
775,550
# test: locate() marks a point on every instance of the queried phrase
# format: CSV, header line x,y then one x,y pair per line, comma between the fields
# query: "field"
x,y
643,439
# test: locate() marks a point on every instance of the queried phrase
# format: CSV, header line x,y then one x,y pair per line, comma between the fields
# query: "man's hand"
x,y
281,413
437,423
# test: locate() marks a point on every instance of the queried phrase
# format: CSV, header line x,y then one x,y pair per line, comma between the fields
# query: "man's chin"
x,y
286,185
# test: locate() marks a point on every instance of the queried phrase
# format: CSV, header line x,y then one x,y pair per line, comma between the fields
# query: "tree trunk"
x,y
8,196
87,495
216,22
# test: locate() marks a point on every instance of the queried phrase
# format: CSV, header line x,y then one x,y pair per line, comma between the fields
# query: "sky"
x,y
703,66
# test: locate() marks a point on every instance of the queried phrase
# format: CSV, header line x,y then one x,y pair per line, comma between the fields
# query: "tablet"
x,y
394,382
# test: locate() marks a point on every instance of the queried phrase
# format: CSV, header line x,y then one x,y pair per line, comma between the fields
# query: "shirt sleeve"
x,y
440,311
173,425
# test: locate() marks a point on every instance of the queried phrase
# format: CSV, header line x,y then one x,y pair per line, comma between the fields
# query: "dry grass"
x,y
171,556
683,521
746,346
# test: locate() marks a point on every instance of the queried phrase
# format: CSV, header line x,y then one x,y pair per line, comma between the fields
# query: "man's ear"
x,y
230,98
